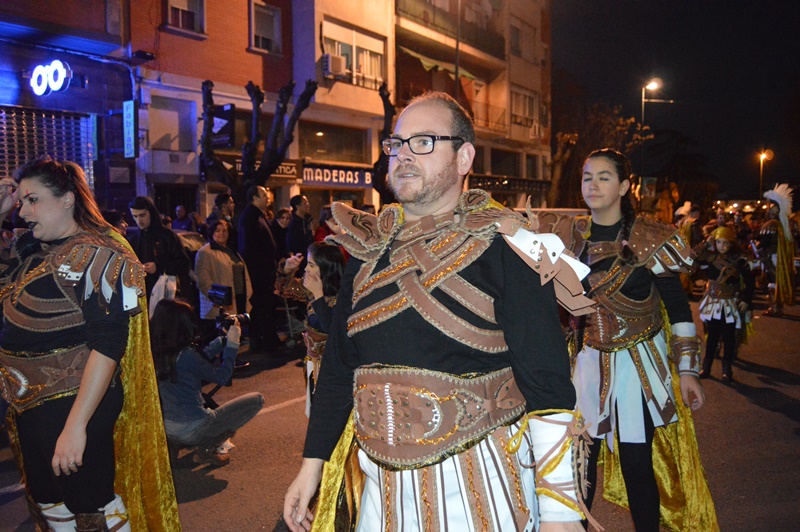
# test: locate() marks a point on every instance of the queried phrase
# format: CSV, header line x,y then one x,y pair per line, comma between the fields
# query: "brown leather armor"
x,y
28,379
406,418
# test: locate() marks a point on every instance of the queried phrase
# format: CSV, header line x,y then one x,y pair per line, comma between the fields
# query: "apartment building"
x,y
137,70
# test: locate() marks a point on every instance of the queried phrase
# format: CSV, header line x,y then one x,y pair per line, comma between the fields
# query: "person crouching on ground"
x,y
181,369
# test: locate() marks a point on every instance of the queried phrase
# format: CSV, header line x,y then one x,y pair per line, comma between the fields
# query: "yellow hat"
x,y
725,233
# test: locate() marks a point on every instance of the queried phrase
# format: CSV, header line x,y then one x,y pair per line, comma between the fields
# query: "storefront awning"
x,y
428,63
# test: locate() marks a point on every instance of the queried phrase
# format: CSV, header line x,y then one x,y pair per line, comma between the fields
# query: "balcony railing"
x,y
500,183
443,21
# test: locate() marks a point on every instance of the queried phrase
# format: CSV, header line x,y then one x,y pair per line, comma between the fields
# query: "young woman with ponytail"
x,y
626,356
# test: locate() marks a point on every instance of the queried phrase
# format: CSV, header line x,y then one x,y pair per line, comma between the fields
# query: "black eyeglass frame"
x,y
387,148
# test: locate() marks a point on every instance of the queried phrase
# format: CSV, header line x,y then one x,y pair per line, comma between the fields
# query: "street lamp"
x,y
764,155
654,84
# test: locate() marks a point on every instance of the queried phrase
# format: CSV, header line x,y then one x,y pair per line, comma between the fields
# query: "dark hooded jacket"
x,y
160,245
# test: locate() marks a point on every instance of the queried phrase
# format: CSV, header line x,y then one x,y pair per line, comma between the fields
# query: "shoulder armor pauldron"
x,y
659,247
105,260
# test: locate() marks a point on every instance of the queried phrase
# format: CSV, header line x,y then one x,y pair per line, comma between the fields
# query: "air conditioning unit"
x,y
334,66
536,131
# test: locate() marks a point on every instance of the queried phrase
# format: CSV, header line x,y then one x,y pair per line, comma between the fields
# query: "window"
x,y
515,42
363,54
328,142
523,108
266,27
505,162
187,15
532,166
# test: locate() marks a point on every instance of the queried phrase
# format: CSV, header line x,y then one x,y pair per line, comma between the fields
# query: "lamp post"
x,y
764,155
654,84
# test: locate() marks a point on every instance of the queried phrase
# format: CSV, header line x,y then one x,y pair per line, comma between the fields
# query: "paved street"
x,y
748,435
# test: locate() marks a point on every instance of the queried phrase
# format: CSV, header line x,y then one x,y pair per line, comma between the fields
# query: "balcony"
x,y
494,183
422,12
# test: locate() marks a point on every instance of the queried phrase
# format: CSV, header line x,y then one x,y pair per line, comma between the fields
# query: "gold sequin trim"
x,y
475,494
425,501
447,271
382,275
376,312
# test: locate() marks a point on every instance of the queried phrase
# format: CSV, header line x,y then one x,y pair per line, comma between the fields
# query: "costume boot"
x,y
117,515
58,517
775,308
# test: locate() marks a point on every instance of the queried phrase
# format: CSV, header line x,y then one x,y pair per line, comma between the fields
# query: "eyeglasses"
x,y
418,144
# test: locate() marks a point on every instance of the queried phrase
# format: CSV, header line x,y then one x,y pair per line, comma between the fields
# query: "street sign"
x,y
130,129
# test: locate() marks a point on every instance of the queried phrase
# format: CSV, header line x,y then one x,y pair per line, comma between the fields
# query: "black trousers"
x,y
727,331
92,487
636,463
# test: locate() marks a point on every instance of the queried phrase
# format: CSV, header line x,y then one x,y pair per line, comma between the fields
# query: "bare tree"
x,y
211,165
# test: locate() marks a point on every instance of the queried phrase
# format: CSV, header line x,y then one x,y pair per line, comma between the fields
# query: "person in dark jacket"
x,y
278,226
299,234
257,248
158,248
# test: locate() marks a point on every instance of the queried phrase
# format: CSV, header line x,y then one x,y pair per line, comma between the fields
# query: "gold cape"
x,y
686,502
143,473
784,271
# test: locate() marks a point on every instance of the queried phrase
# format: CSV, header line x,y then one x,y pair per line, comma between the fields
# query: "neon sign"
x,y
53,77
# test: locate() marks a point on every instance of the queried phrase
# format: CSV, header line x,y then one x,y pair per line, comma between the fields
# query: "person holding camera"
x,y
181,370
217,263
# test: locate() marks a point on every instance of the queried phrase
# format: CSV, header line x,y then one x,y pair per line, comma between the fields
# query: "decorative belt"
x,y
721,291
28,379
315,342
406,418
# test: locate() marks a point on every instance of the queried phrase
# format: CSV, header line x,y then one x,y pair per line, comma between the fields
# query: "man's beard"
x,y
426,189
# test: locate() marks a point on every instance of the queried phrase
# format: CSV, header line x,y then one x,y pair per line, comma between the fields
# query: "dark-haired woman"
x,y
181,370
623,365
217,263
71,310
318,289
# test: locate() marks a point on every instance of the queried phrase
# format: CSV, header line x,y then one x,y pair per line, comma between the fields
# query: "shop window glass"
x,y
327,142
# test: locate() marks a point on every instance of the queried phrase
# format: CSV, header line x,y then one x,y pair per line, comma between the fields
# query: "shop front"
x,y
72,107
324,183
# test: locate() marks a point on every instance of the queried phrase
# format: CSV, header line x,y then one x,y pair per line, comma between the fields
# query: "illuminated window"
x,y
363,53
187,15
266,27
523,107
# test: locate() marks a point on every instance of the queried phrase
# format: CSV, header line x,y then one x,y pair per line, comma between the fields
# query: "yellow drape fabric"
x,y
784,274
143,474
341,487
686,502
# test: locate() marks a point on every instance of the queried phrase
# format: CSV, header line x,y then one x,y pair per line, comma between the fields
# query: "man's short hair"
x,y
252,192
222,199
295,202
462,123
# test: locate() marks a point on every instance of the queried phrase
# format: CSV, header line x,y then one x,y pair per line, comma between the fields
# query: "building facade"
x,y
156,54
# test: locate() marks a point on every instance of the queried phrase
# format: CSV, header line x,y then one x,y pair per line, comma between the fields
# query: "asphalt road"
x,y
748,435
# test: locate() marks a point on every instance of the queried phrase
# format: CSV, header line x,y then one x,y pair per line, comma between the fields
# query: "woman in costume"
x,y
181,370
727,300
67,299
622,369
318,289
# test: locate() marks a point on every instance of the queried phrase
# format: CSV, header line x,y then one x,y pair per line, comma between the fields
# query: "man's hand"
x,y
691,386
561,526
150,267
743,306
295,505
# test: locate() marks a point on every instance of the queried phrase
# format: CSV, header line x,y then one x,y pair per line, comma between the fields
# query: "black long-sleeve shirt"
x,y
525,310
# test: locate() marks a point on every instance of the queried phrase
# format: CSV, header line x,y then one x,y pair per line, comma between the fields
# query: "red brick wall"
x,y
81,14
222,56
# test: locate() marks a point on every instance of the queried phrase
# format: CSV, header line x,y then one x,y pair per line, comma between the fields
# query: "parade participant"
x,y
727,300
318,290
622,364
449,337
777,250
691,231
71,310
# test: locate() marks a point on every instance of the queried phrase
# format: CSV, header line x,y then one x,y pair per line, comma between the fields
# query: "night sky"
x,y
733,68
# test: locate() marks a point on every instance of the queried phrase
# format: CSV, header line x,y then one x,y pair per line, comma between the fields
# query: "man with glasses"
x,y
447,349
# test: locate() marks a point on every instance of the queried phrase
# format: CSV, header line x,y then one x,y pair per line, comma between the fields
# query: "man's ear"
x,y
464,158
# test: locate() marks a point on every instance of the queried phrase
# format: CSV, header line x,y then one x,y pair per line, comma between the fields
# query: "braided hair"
x,y
624,171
